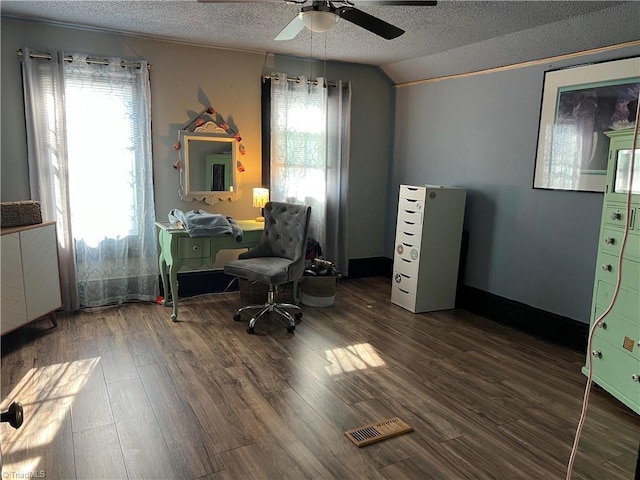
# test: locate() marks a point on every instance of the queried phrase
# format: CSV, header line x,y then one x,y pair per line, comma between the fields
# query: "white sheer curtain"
x,y
310,156
89,147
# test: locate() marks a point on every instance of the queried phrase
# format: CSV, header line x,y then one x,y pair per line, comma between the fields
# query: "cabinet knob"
x,y
597,353
635,377
398,278
400,249
616,216
195,248
602,325
607,267
610,240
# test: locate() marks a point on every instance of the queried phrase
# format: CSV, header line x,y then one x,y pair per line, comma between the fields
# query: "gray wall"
x,y
480,132
184,79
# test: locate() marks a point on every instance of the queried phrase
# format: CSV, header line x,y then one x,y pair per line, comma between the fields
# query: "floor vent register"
x,y
375,432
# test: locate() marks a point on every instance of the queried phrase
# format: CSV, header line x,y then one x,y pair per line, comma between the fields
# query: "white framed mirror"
x,y
209,172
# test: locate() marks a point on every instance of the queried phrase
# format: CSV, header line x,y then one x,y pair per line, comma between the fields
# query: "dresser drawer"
x,y
406,267
407,252
627,304
618,332
410,205
409,227
403,298
616,215
410,217
412,193
404,282
408,238
611,243
607,270
198,247
614,369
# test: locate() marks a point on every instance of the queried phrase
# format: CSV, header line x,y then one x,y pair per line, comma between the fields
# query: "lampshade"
x,y
318,20
260,197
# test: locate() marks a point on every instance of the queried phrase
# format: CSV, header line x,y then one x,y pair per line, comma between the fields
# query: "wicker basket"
x,y
15,214
318,291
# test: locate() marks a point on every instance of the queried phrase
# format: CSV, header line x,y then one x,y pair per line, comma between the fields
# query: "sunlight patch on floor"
x,y
354,357
46,395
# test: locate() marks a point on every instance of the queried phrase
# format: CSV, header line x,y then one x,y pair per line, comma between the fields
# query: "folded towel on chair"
x,y
199,223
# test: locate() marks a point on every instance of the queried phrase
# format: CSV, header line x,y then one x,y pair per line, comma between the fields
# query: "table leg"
x,y
162,264
163,275
173,281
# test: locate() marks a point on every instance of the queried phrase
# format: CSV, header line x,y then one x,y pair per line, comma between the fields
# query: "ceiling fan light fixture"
x,y
318,20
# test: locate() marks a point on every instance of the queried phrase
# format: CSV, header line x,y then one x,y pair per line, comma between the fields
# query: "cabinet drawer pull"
x,y
597,353
607,267
610,241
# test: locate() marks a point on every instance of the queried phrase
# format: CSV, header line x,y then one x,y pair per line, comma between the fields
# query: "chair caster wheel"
x,y
236,317
251,330
298,316
291,328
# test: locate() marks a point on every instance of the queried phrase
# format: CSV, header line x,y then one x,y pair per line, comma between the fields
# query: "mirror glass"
x,y
209,161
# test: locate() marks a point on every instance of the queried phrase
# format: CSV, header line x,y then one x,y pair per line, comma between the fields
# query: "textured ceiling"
x,y
253,25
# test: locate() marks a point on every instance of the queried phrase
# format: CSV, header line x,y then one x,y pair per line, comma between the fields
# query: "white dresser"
x,y
427,247
30,277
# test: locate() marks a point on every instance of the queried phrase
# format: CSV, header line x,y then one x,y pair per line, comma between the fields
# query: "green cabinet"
x,y
615,349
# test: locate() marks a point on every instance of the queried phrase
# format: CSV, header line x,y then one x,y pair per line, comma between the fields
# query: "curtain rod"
x,y
297,79
69,58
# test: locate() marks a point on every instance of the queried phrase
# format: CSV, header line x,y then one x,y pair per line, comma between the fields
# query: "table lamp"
x,y
260,199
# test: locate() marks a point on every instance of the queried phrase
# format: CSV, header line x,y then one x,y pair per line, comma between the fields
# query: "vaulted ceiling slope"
x,y
470,34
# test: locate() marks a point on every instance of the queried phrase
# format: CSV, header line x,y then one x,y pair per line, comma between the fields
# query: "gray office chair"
x,y
277,259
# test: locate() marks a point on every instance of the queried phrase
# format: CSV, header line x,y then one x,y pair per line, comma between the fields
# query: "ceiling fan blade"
x,y
406,3
369,22
359,2
241,1
290,31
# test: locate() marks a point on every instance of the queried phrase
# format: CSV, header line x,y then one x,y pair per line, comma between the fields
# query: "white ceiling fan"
x,y
321,15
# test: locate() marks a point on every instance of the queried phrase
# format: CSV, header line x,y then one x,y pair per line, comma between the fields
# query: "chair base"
x,y
270,306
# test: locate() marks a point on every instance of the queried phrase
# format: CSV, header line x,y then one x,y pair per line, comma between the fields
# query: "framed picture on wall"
x,y
579,104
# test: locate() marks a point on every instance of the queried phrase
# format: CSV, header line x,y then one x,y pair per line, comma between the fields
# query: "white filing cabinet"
x,y
427,247
30,275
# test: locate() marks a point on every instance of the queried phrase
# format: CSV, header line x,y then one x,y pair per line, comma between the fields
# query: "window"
x,y
306,154
92,171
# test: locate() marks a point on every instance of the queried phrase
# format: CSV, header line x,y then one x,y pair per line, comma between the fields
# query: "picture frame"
x,y
578,105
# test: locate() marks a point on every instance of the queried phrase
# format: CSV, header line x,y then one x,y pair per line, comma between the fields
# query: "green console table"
x,y
180,251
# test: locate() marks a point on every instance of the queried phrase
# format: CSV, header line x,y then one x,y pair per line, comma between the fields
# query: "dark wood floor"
x,y
123,392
